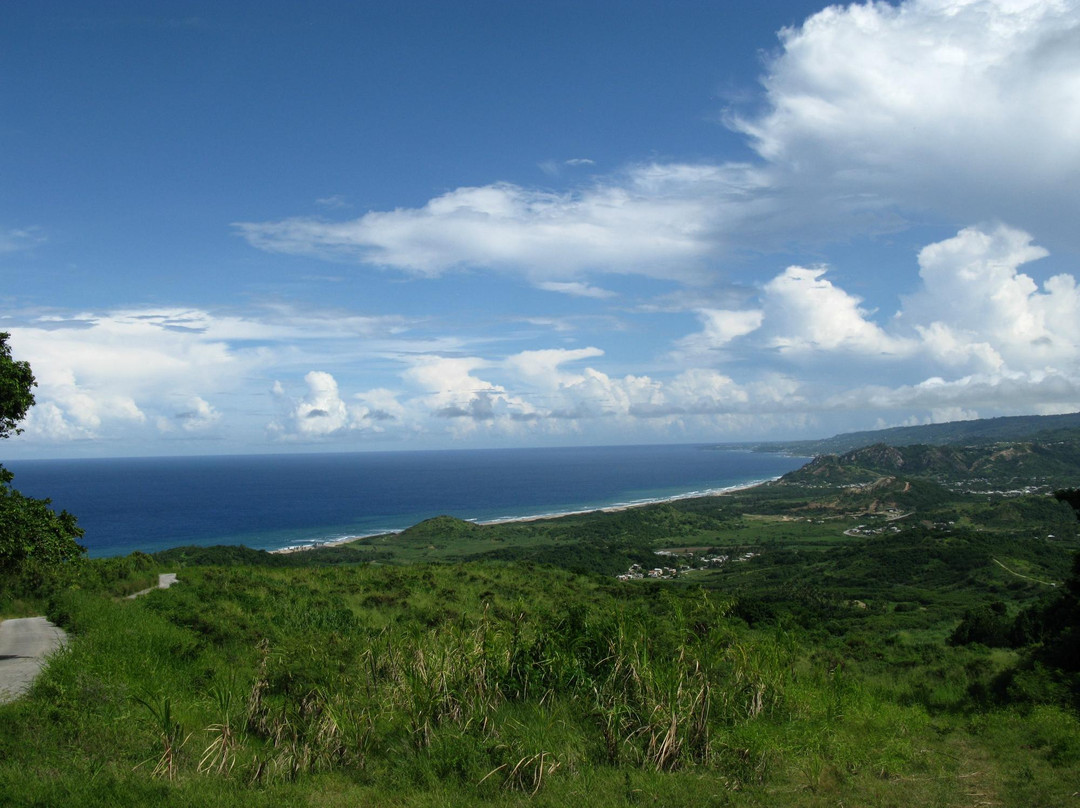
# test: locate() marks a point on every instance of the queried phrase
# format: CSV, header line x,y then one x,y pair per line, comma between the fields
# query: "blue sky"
x,y
262,227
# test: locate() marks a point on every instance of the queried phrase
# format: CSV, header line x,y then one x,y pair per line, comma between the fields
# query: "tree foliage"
x,y
1071,496
16,394
31,533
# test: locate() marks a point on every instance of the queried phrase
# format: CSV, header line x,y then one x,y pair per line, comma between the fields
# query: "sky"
x,y
240,227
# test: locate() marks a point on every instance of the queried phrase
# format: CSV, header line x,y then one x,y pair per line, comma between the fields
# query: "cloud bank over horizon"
x,y
712,298
977,335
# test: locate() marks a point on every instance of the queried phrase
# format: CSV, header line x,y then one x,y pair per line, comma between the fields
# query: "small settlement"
x,y
688,561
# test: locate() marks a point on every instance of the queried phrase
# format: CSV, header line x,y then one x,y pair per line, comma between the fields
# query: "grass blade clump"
x,y
170,732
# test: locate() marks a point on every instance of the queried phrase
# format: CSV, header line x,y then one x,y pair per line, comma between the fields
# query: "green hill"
x,y
1045,428
998,467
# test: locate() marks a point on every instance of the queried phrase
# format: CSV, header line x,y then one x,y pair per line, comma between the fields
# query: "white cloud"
x,y
198,415
965,107
554,168
71,413
804,312
654,221
1046,391
575,289
975,303
106,374
541,368
977,334
377,408
974,309
333,202
535,392
322,412
720,327
451,390
20,238
965,110
46,420
449,377
103,373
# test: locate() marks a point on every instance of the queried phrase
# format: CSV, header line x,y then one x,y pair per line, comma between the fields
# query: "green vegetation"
x,y
865,631
488,683
881,642
16,389
1022,466
35,542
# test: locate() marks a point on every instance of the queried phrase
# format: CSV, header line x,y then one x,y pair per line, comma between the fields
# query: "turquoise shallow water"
x,y
273,501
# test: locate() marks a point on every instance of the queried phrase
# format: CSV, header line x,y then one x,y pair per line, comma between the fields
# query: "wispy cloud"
x,y
20,238
335,202
543,235
575,289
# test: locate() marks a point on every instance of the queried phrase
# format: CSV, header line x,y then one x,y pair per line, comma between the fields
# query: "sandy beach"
x,y
623,506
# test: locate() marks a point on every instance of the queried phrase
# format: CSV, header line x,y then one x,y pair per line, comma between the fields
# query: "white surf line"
x,y
626,506
301,545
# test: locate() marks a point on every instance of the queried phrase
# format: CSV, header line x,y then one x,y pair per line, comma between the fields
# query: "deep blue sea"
x,y
274,501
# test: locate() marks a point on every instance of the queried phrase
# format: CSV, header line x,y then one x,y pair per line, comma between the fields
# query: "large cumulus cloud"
x,y
962,110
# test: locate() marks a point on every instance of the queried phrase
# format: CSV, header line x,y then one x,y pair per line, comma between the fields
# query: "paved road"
x,y
24,644
164,581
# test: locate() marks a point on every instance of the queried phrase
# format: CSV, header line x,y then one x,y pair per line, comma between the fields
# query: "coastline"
x,y
621,506
282,502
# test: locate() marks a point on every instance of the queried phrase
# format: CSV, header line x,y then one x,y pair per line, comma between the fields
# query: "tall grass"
x,y
531,685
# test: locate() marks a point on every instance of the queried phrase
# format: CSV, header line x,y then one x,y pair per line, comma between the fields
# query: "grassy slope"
x,y
816,673
411,685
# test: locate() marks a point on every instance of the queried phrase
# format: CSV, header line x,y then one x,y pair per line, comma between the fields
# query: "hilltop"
x,y
1041,428
1016,467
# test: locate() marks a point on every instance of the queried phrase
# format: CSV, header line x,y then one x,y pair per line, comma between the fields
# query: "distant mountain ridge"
x,y
983,431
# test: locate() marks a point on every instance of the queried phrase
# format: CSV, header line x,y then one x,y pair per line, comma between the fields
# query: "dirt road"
x,y
24,644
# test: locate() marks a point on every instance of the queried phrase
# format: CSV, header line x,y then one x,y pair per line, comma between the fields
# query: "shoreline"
x,y
317,544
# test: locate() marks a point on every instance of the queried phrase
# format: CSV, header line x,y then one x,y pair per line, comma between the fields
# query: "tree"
x,y
16,395
1071,496
31,533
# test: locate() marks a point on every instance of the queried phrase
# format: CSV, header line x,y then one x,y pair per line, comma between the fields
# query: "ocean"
x,y
275,501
